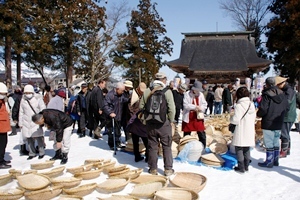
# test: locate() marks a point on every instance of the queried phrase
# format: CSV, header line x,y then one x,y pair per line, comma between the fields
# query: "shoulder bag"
x,y
231,127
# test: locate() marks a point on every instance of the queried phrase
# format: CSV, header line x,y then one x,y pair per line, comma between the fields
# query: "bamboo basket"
x,y
11,194
6,178
148,178
119,197
218,148
188,180
147,190
16,173
44,165
33,181
66,182
113,185
70,197
172,193
126,170
212,159
79,169
54,172
81,190
132,174
93,161
106,166
89,174
45,194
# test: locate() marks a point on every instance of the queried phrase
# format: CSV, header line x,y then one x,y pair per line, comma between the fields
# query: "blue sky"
x,y
181,16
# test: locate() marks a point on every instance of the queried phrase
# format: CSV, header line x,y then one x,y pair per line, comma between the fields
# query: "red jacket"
x,y
4,118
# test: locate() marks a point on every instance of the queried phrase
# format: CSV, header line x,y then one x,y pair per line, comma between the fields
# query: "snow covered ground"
x,y
259,183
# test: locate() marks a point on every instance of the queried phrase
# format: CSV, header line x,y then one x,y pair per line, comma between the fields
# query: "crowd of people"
x,y
147,114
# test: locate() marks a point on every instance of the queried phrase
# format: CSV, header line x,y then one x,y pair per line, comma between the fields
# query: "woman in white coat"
x,y
193,102
244,133
29,106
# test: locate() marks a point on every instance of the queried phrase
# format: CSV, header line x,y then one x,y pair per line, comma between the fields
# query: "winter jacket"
x,y
218,94
210,97
57,121
113,103
4,118
226,97
188,104
169,99
97,99
56,103
244,133
29,128
16,106
290,94
178,99
272,108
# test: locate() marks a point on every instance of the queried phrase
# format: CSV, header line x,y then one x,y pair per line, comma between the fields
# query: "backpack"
x,y
156,107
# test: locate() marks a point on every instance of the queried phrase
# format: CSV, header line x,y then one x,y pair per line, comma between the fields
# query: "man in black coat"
x,y
272,111
62,125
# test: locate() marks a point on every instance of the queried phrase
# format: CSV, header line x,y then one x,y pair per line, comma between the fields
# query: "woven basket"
x,y
16,173
79,169
172,193
188,180
70,197
93,161
111,174
11,194
5,179
45,194
33,181
44,165
212,159
117,168
106,166
218,148
89,174
66,182
149,178
54,172
119,197
112,185
147,190
132,174
81,190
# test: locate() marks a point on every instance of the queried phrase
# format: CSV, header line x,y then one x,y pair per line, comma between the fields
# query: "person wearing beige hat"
x,y
289,117
126,113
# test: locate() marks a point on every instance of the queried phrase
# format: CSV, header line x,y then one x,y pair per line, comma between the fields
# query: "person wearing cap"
x,y
96,107
204,87
194,102
210,98
31,132
160,133
16,96
135,127
272,111
4,126
81,108
58,102
178,99
113,108
289,117
126,112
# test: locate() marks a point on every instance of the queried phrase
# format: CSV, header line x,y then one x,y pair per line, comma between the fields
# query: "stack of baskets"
x,y
212,159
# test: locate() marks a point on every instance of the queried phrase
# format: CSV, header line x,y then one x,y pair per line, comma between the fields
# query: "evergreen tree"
x,y
142,47
284,37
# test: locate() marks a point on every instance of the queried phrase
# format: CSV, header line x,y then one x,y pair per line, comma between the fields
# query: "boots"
x,y
241,167
23,150
269,159
82,134
64,159
57,155
13,131
284,149
276,156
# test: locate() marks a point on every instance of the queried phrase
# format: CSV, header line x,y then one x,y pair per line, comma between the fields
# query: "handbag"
x,y
231,127
200,114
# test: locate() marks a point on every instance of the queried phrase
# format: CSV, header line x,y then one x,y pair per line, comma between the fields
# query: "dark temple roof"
x,y
218,52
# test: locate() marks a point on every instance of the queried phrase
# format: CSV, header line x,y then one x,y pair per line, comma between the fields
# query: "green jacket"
x,y
290,115
169,99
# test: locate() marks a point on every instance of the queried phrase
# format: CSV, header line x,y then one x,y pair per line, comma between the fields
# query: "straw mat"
x,y
33,181
112,185
11,194
66,182
188,180
45,194
81,190
171,193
